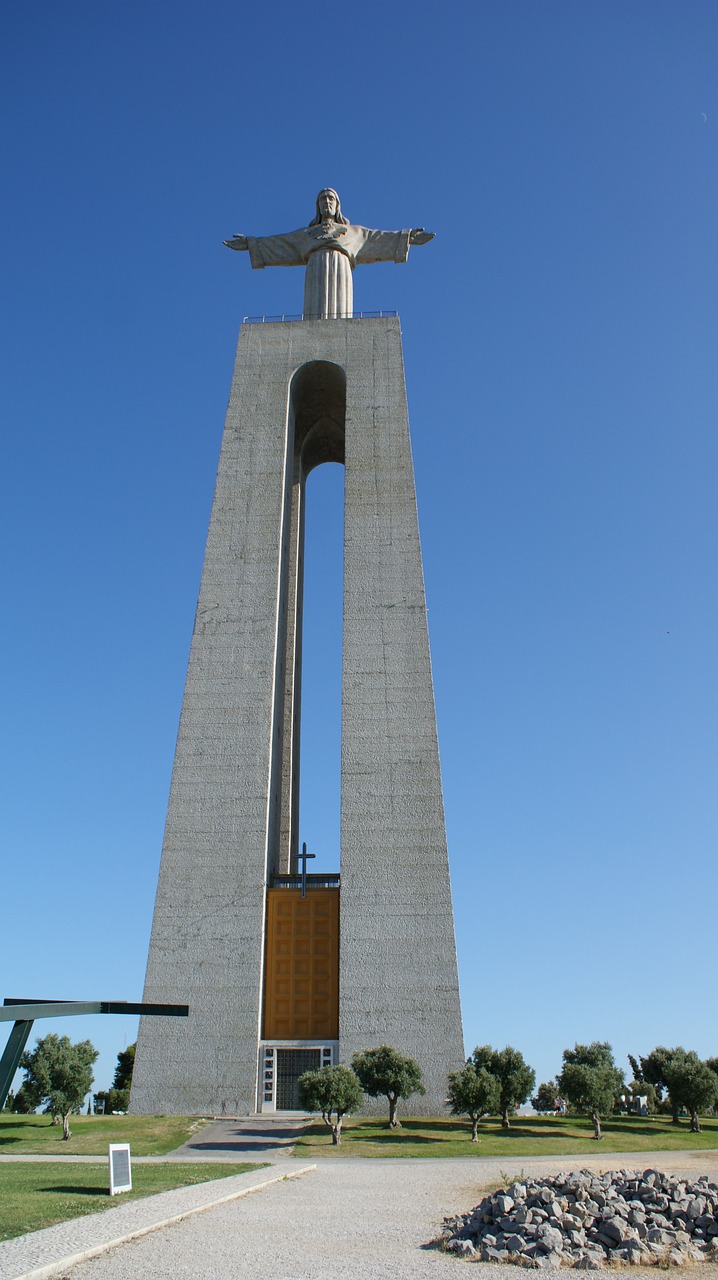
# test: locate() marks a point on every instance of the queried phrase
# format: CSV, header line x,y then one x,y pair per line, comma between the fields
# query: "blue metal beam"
x,y
24,1012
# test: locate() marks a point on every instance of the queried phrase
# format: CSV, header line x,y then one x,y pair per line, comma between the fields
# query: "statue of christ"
x,y
330,247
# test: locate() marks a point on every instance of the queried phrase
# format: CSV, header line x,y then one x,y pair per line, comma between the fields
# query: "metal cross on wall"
x,y
303,859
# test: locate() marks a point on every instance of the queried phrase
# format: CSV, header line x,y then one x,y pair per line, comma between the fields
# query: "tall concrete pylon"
x,y
278,982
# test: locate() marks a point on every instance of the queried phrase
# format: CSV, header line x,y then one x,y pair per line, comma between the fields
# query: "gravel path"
x,y
364,1219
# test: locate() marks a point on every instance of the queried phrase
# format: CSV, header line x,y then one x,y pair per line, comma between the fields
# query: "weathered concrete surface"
x,y
398,979
229,816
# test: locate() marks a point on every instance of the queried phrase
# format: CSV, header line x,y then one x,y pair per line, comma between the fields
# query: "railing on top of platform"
x,y
329,880
355,315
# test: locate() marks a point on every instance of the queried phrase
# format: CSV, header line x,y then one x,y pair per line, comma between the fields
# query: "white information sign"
x,y
120,1167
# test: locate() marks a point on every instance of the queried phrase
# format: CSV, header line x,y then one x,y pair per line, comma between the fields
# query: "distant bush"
x,y
545,1097
114,1099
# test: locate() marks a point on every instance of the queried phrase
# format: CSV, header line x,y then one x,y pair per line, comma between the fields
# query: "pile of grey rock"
x,y
588,1221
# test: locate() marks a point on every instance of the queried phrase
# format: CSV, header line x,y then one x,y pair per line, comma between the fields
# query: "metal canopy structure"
x,y
24,1012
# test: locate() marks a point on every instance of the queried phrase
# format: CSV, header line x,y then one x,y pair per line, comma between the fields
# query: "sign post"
x,y
120,1167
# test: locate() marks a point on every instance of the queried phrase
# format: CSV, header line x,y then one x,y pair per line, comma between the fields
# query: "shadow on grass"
x,y
531,1134
407,1135
22,1137
649,1129
76,1191
395,1139
434,1126
241,1146
10,1132
520,1131
439,1128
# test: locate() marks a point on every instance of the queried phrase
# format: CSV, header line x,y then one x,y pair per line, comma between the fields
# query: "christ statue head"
x,y
328,208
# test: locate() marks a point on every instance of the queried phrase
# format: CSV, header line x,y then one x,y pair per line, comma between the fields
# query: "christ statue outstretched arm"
x,y
330,247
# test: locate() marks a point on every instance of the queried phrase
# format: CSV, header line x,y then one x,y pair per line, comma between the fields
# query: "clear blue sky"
x,y
560,344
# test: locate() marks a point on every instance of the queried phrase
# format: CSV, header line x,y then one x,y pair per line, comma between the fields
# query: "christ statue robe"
x,y
330,251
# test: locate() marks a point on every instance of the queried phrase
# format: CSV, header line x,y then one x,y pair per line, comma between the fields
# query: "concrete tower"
x,y
278,982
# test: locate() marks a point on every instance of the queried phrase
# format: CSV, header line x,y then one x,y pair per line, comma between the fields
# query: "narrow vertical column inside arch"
x,y
317,415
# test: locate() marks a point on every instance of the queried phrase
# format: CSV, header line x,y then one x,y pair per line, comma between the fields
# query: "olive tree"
x,y
657,1068
679,1072
591,1080
516,1078
59,1074
334,1091
384,1072
693,1085
474,1093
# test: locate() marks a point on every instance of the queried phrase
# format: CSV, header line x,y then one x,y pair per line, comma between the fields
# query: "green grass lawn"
x,y
37,1195
528,1136
147,1135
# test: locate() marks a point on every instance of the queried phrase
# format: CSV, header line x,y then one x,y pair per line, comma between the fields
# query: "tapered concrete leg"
x,y
398,976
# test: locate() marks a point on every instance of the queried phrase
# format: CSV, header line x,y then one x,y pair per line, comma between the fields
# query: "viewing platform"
x,y
355,315
330,880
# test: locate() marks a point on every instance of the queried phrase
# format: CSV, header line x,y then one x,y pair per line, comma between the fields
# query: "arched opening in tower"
x,y
315,435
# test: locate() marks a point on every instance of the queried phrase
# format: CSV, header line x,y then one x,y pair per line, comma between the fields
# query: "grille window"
x,y
291,1064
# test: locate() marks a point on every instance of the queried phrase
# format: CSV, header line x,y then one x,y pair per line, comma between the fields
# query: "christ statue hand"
x,y
237,242
419,236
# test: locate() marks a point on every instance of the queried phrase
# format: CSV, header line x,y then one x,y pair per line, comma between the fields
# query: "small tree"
x,y
124,1068
637,1069
693,1085
59,1074
591,1080
516,1078
385,1072
22,1104
474,1094
656,1069
331,1090
545,1097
